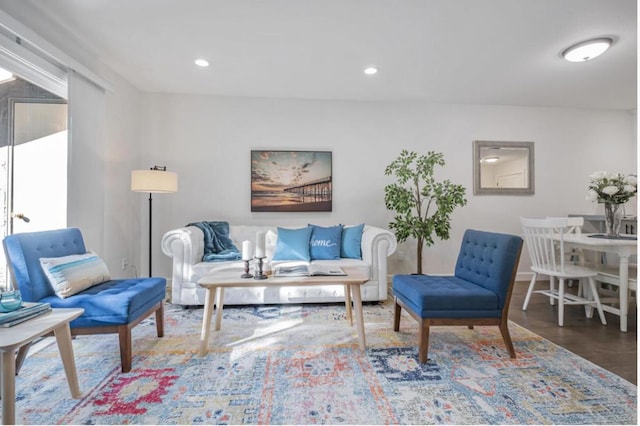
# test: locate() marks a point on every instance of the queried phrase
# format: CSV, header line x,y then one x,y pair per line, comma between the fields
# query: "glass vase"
x,y
612,219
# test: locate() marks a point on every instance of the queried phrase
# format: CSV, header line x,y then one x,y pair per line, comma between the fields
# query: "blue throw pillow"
x,y
325,242
293,244
351,242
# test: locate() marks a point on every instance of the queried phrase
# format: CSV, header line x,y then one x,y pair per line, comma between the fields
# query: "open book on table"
x,y
306,270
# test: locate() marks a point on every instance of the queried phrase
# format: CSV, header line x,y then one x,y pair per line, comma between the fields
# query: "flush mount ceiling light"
x,y
587,50
202,62
490,159
370,70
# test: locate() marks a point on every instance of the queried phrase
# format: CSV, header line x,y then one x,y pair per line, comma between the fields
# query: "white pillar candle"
x,y
260,238
246,250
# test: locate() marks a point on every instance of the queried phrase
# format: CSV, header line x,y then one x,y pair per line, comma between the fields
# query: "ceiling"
x,y
496,52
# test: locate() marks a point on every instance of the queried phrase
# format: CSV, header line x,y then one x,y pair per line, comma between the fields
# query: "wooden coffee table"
x,y
20,336
215,284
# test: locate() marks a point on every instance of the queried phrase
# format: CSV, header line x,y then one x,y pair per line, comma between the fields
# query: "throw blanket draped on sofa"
x,y
218,247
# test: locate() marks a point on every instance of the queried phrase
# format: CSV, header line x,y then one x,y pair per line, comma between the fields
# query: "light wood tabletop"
x,y
20,337
215,284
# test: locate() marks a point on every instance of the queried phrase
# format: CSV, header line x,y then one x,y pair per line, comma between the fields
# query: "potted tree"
x,y
422,205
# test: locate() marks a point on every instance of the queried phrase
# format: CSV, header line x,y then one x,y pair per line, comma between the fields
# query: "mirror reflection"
x,y
503,168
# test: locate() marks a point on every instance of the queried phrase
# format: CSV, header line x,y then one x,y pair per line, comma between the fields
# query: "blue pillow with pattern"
x,y
325,242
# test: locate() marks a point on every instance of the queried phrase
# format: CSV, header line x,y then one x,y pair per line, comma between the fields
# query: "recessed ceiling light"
x,y
202,62
587,50
371,70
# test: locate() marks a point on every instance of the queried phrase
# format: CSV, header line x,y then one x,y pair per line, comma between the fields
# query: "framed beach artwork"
x,y
291,181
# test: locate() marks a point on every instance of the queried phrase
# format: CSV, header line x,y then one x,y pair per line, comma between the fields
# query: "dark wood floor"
x,y
604,345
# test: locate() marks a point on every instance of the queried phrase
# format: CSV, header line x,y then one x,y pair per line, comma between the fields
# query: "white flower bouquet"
x,y
612,188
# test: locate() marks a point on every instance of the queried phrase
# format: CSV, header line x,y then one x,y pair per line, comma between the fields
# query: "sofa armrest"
x,y
186,247
378,244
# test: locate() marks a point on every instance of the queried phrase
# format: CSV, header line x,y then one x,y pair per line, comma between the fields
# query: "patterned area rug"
x,y
301,365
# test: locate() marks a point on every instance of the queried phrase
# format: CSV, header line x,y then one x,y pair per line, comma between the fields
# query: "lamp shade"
x,y
154,181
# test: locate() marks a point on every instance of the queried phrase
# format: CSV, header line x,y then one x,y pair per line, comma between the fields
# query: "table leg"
x,y
206,320
63,338
623,271
219,307
357,304
22,354
347,304
8,387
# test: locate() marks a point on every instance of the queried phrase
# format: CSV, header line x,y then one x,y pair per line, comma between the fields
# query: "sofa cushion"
x,y
201,269
351,242
440,296
325,242
74,273
293,244
114,302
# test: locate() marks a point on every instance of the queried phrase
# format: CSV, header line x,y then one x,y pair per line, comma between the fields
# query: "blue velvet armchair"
x,y
114,306
478,293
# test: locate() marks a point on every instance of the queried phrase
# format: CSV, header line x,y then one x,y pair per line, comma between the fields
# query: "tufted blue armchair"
x,y
114,306
478,293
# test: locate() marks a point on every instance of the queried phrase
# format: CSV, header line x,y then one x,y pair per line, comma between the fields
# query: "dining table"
x,y
625,246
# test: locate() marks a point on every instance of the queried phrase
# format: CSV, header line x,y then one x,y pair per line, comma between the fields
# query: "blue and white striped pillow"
x,y
72,274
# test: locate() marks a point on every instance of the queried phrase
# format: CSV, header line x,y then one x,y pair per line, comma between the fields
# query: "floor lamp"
x,y
155,180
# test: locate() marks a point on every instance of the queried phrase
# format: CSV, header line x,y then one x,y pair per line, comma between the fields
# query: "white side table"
x,y
14,338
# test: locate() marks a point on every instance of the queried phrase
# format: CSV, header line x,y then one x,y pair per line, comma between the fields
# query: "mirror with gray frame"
x,y
503,168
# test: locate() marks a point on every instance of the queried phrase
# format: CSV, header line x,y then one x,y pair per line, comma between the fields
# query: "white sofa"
x,y
186,246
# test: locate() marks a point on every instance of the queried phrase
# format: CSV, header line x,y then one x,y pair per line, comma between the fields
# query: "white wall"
x,y
207,141
124,220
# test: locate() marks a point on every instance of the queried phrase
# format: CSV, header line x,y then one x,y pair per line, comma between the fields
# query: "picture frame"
x,y
291,181
503,168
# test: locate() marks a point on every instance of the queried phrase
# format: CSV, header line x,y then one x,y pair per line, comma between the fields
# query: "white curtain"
x,y
86,180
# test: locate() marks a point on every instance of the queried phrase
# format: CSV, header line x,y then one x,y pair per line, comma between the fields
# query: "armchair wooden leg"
x,y
396,317
504,330
160,320
124,334
423,341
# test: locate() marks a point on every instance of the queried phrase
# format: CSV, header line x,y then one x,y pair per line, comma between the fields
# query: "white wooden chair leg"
x,y
596,298
532,284
561,302
552,286
586,293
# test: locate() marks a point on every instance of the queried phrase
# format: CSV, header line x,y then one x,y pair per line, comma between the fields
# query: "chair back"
x,y
545,242
490,260
574,226
23,252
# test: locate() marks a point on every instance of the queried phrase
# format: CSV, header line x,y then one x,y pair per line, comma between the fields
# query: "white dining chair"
x,y
575,255
608,284
545,242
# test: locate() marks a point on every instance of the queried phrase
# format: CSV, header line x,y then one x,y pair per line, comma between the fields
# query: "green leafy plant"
x,y
422,205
